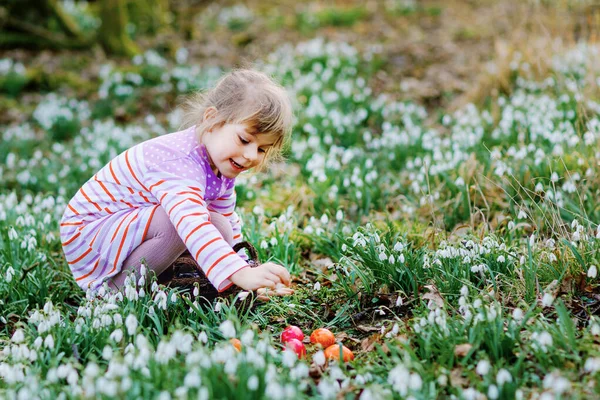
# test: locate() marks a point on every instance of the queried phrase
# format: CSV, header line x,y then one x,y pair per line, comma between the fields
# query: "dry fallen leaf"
x,y
368,344
462,349
434,295
456,378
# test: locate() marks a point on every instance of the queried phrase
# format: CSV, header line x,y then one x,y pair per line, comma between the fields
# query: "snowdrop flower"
x,y
399,301
592,272
253,383
317,286
501,259
49,342
196,291
503,376
227,329
547,299
522,214
319,358
203,337
543,340
339,215
18,336
493,392
592,364
116,335
483,367
10,272
518,314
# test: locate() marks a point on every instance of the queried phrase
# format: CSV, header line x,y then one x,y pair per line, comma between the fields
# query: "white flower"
x,y
493,392
592,364
547,299
203,337
49,342
196,291
10,272
483,367
522,214
503,376
518,314
253,383
317,286
116,335
339,215
227,329
592,272
501,259
18,336
319,358
131,324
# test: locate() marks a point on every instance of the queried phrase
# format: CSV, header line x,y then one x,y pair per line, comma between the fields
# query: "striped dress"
x,y
110,215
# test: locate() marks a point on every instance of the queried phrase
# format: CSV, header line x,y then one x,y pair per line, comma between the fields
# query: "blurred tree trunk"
x,y
113,32
38,23
150,16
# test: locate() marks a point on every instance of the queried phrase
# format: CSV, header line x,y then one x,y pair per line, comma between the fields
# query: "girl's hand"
x,y
267,275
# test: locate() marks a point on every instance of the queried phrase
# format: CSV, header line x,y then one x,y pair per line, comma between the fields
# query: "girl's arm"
x,y
225,205
182,197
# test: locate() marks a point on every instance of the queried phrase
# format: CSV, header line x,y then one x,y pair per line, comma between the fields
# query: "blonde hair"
x,y
244,96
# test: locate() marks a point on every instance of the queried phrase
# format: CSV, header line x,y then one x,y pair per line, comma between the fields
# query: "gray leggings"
x,y
163,245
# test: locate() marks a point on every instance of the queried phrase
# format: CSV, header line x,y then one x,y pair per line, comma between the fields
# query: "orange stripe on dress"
x,y
113,173
121,244
94,239
226,287
205,245
89,273
195,188
81,257
144,197
72,209
218,261
188,215
106,190
156,184
148,223
237,236
190,192
129,204
107,210
195,229
131,170
90,200
71,223
71,240
184,200
117,230
228,214
162,197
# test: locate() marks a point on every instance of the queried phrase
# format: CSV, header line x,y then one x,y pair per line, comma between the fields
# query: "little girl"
x,y
177,191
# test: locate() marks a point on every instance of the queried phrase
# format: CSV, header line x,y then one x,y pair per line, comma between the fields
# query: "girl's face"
x,y
233,148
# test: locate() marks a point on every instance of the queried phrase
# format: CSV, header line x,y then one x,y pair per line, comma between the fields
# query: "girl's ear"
x,y
209,113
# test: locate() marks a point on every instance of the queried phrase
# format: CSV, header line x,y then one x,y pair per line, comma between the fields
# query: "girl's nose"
x,y
251,154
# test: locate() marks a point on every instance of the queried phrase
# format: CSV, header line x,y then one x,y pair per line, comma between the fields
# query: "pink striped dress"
x,y
110,215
